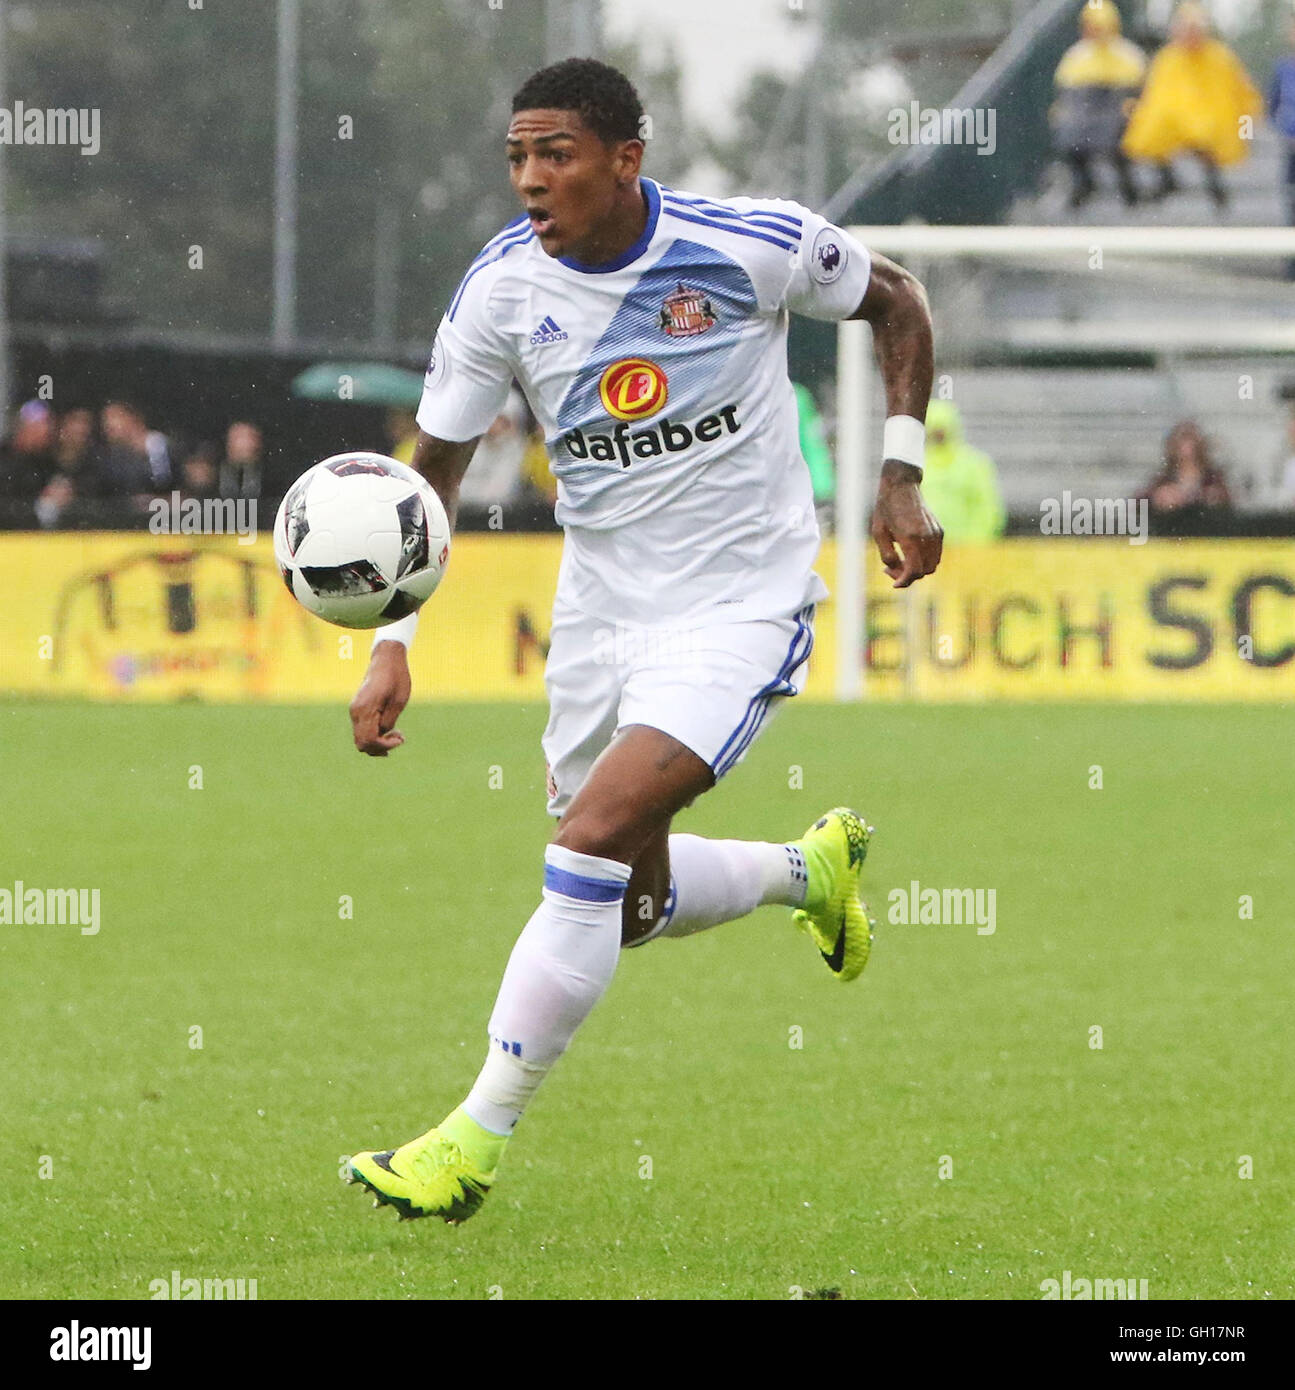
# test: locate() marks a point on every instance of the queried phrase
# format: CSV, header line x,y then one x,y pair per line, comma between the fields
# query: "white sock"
x,y
559,968
714,881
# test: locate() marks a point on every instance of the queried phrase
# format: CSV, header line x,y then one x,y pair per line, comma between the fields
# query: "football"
x,y
361,540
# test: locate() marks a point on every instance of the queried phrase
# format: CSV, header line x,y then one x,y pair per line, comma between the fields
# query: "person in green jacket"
x,y
813,445
960,483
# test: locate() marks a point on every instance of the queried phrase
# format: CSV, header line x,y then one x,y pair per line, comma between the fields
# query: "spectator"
x,y
402,434
813,446
200,472
960,483
1189,478
137,460
27,456
77,472
76,453
1098,78
538,481
158,449
240,471
1195,96
1281,112
1286,485
56,502
494,476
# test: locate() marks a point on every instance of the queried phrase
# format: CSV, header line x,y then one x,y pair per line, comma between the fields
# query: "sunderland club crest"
x,y
685,313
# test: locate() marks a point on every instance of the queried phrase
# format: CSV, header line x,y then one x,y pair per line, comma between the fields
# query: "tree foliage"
x,y
403,104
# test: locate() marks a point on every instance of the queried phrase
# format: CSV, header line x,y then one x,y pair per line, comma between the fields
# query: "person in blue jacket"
x,y
1281,112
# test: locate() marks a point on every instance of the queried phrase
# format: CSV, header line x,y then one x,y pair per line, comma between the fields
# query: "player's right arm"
x,y
443,462
385,689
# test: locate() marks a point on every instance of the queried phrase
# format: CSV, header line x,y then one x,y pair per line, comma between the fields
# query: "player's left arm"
x,y
907,534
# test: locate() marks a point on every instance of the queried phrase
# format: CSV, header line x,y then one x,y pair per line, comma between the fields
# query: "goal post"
x,y
1213,253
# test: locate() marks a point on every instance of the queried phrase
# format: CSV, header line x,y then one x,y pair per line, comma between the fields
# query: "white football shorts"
x,y
713,687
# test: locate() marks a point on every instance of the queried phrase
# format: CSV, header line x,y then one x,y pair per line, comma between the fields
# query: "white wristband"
x,y
402,632
904,439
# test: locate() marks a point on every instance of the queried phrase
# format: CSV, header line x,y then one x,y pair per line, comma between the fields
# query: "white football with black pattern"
x,y
361,540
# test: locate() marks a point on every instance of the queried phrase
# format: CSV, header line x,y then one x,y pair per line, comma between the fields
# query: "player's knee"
x,y
606,837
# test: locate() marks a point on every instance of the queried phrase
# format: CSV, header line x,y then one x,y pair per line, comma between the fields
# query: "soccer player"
x,y
648,330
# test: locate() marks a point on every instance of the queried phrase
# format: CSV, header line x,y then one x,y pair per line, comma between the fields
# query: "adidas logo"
x,y
547,332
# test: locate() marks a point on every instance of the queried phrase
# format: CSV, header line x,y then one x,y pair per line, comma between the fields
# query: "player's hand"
x,y
902,522
378,703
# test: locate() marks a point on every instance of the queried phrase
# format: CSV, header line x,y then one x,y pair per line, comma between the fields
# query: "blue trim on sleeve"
x,y
782,222
590,890
743,230
512,232
515,225
497,250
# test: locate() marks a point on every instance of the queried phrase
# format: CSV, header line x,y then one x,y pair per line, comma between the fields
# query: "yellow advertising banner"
x,y
133,616
1090,619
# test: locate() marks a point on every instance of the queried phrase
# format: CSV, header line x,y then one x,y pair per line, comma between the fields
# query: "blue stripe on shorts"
x,y
739,740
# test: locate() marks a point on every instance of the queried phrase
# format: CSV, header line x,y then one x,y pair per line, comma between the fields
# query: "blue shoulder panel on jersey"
x,y
691,363
496,249
759,217
738,229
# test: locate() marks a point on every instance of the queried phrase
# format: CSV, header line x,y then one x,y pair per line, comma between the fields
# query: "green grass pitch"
x,y
772,1167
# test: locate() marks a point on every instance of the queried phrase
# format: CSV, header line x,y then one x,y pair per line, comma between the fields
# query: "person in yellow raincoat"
x,y
1096,81
960,483
1196,96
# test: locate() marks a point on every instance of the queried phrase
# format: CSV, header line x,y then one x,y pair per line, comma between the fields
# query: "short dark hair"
x,y
604,97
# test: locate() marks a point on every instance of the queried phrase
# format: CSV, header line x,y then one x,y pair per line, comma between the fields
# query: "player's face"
x,y
567,179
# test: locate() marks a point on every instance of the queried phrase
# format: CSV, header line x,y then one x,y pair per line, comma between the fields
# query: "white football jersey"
x,y
660,382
